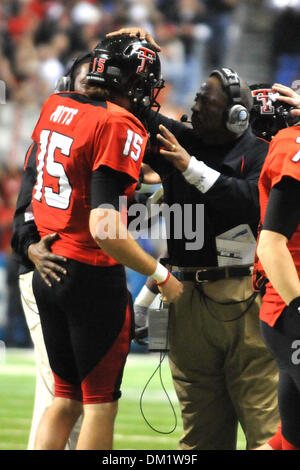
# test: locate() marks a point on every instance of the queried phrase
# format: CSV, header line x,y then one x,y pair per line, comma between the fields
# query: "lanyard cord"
x,y
251,300
158,368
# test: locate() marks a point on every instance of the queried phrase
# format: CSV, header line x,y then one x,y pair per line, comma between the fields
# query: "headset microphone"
x,y
184,118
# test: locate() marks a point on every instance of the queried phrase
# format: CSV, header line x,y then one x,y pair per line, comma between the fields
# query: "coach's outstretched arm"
x,y
113,237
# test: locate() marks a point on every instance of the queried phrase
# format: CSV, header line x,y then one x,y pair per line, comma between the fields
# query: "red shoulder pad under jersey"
x,y
284,155
121,142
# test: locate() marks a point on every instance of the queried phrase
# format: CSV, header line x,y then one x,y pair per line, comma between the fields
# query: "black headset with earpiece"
x,y
66,83
236,115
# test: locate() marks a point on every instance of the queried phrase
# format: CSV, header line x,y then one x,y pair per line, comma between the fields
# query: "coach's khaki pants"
x,y
223,373
44,388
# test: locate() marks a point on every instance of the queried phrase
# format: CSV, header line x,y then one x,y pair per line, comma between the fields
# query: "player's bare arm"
x,y
47,263
288,95
113,237
278,264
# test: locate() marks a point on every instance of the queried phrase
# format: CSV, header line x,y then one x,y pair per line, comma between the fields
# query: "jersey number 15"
x,y
60,199
46,162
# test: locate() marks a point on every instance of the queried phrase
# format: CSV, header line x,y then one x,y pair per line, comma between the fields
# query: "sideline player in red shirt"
x,y
278,251
90,150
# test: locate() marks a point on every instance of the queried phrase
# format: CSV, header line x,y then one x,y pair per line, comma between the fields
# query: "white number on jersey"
x,y
296,157
134,141
46,162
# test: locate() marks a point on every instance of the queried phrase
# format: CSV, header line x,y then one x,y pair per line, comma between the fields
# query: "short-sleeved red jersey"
x,y
282,160
75,136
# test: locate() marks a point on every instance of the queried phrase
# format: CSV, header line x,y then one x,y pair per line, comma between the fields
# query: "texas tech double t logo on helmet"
x,y
263,101
130,65
144,54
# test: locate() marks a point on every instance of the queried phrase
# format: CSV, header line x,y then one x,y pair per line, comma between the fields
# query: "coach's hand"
x,y
47,263
139,32
172,150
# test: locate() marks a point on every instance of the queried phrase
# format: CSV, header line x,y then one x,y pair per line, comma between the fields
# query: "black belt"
x,y
212,274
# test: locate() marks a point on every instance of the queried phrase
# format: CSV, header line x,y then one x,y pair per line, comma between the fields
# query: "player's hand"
x,y
140,324
287,95
172,290
47,263
140,32
172,150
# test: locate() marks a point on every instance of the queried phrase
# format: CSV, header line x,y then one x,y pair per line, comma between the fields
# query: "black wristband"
x,y
295,304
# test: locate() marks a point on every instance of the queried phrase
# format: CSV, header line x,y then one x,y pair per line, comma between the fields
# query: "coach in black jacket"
x,y
222,372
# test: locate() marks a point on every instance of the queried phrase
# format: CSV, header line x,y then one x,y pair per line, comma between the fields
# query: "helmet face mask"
x,y
130,66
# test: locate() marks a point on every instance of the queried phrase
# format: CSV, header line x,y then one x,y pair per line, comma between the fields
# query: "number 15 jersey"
x,y
76,136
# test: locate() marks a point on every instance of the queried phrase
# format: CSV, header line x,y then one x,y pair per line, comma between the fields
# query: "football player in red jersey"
x,y
89,153
278,253
30,251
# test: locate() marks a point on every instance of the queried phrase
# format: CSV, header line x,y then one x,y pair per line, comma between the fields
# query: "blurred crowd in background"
x,y
38,39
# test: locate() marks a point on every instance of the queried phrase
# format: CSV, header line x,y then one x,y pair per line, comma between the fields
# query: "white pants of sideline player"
x,y
44,389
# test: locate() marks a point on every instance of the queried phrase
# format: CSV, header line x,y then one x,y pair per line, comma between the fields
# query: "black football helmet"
x,y
269,115
129,65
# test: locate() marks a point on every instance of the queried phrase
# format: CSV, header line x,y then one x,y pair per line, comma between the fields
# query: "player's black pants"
x,y
284,342
86,323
